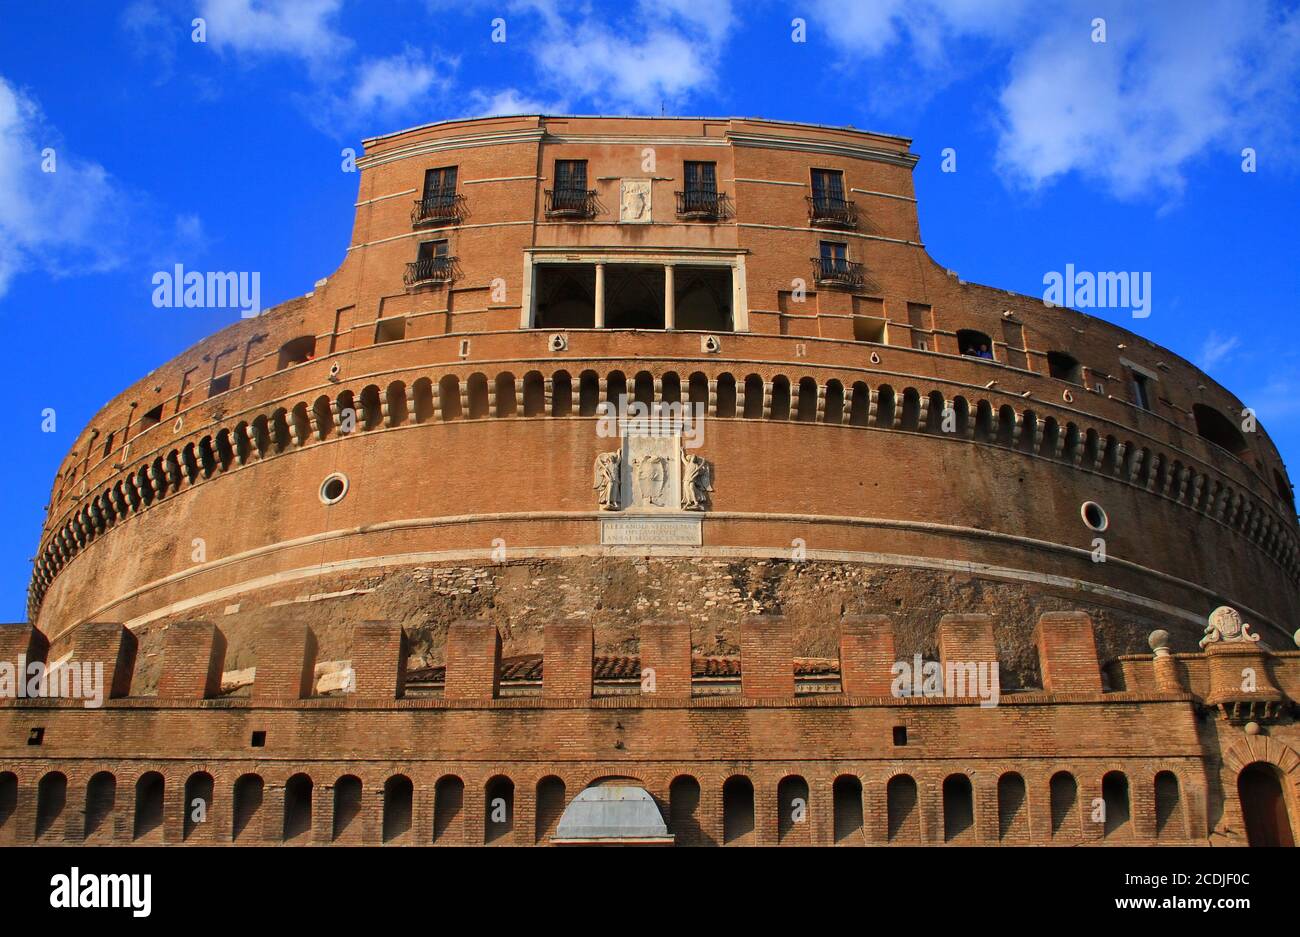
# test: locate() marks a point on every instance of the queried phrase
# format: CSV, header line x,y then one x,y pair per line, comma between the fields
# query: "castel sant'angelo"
x,y
903,560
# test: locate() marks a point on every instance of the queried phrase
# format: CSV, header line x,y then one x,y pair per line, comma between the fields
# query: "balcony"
x,y
702,204
828,211
570,203
430,270
837,272
438,208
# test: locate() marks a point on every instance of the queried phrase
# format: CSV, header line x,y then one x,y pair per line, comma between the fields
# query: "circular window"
x,y
333,488
1094,515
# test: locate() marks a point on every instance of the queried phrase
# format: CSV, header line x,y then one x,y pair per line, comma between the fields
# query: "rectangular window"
x,y
431,250
219,385
701,178
152,418
440,183
571,175
390,330
833,250
827,185
1141,390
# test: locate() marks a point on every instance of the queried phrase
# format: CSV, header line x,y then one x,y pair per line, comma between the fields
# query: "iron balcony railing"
x,y
701,203
571,203
836,271
438,208
430,270
835,212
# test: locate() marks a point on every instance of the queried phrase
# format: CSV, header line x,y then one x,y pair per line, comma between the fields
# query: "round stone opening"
x,y
1094,515
333,488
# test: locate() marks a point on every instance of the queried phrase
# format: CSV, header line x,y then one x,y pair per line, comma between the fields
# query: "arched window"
x,y
793,824
247,806
148,806
1218,429
1114,791
643,388
1013,816
904,817
478,396
780,397
911,409
588,393
448,398
399,800
534,394
860,405
807,411
885,407
424,398
296,351
683,809
448,801
1063,367
834,410
1263,806
101,798
1169,810
498,809
727,395
975,344
297,807
51,797
753,397
958,809
395,399
550,806
198,805
8,803
561,394
347,807
505,394
737,811
1064,801
847,794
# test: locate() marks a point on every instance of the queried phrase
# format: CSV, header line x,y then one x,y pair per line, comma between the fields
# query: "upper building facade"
x,y
865,408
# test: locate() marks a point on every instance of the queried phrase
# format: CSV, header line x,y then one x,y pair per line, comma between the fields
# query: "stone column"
x,y
670,311
600,296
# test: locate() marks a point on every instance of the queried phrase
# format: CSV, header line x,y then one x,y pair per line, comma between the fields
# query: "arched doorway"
x,y
1263,805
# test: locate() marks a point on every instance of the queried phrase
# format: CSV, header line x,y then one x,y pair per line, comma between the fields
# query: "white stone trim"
x,y
382,198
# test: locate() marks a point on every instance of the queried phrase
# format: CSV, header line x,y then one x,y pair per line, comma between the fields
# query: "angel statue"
x,y
697,482
607,472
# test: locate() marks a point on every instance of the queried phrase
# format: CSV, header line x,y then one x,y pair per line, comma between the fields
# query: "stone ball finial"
x,y
1296,637
1159,642
1252,728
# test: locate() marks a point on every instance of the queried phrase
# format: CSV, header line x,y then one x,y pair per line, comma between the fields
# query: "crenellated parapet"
x,y
877,748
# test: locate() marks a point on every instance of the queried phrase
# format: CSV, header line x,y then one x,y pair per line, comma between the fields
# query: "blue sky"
x,y
226,155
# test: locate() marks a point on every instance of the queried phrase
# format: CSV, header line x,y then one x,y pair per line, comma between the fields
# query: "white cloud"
x,y
394,83
65,222
1166,87
511,101
659,54
1216,349
300,28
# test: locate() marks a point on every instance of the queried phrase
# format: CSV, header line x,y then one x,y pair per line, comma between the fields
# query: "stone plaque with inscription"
x,y
651,529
